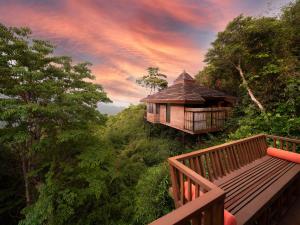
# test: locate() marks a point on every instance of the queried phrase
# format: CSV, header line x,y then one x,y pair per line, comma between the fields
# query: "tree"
x,y
291,19
48,103
257,51
153,80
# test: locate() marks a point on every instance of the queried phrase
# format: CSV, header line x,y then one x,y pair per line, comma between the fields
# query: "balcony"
x,y
203,120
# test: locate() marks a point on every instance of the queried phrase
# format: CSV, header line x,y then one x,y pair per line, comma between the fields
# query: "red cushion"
x,y
193,191
229,219
286,155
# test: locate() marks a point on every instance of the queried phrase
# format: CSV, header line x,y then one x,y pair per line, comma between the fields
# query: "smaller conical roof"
x,y
184,77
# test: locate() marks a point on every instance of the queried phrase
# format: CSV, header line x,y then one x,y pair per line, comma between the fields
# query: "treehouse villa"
x,y
189,107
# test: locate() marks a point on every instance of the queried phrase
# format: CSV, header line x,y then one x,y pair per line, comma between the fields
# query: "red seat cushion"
x,y
229,219
193,191
282,154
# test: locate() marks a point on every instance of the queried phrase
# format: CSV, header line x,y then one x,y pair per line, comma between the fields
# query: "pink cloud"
x,y
123,38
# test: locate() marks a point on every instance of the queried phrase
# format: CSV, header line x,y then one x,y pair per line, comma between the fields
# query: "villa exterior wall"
x,y
177,116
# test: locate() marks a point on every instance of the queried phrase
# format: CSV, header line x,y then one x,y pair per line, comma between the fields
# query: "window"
x,y
168,113
150,107
157,108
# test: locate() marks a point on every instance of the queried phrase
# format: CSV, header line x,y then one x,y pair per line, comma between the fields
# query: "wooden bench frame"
x,y
203,168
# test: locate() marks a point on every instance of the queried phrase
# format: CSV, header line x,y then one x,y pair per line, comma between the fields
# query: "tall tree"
x,y
153,80
47,102
257,51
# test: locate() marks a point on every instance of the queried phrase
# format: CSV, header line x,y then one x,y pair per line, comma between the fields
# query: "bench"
x,y
238,179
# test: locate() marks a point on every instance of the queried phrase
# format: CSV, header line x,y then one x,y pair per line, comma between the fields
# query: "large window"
x,y
150,107
157,108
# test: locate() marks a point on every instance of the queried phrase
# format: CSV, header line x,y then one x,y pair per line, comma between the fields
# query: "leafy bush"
x,y
270,123
152,195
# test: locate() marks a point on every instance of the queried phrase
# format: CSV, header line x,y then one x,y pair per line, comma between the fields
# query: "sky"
x,y
122,38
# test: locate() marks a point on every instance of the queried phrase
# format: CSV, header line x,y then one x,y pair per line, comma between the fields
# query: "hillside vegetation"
x,y
62,162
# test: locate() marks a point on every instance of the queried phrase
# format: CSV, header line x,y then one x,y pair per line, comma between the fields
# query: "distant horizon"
x,y
121,39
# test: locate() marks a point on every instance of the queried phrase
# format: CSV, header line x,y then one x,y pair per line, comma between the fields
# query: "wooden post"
x,y
193,121
175,188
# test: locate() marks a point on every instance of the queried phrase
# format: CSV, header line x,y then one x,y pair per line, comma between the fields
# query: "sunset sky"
x,y
121,38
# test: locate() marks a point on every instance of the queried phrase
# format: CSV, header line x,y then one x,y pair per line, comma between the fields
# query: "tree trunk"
x,y
253,98
26,180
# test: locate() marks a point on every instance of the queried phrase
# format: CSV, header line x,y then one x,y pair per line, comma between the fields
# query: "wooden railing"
x,y
205,119
207,207
197,199
284,143
217,161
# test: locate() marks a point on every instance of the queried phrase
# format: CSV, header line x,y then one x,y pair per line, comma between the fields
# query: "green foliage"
x,y
98,185
11,191
152,197
271,123
153,80
76,194
128,136
291,19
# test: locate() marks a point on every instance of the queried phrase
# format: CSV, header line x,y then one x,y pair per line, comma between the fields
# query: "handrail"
x,y
214,148
288,144
211,109
193,209
284,138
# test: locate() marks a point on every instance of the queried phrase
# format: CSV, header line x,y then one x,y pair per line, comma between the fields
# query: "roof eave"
x,y
175,101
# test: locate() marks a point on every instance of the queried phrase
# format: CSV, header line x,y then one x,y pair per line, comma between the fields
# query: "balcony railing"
x,y
206,208
205,119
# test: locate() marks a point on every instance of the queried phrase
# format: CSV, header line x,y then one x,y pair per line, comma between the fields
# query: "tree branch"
x,y
253,98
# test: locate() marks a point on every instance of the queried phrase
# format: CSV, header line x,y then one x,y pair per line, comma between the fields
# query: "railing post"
x,y
218,213
175,188
211,119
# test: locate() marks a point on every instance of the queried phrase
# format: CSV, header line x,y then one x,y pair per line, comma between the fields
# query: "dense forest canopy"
x,y
62,162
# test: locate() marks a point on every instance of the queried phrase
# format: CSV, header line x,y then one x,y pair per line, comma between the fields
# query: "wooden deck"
x,y
238,176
